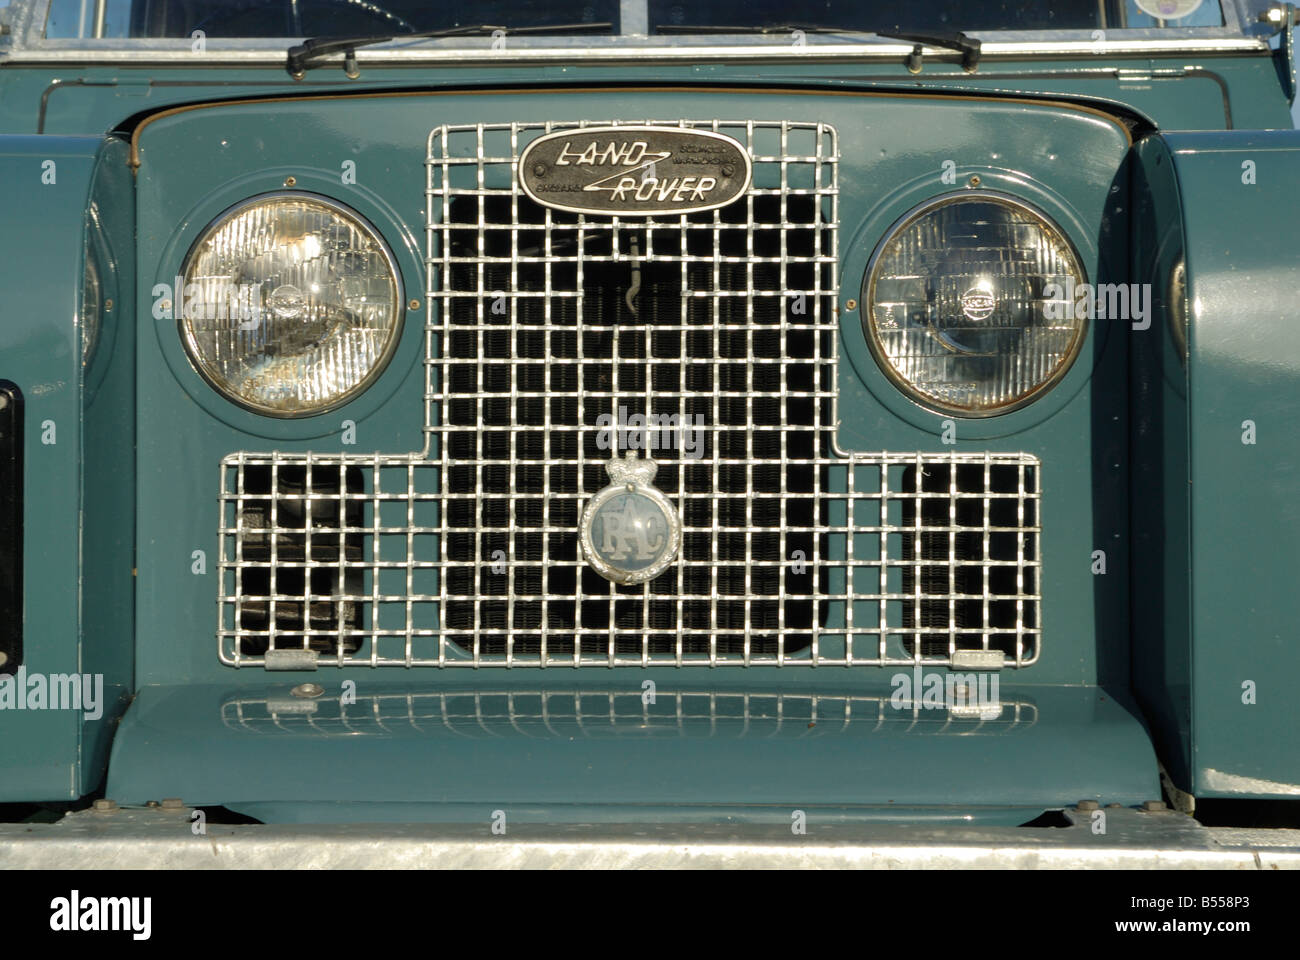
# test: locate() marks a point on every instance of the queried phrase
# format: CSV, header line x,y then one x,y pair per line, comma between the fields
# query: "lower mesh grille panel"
x,y
973,568
298,565
916,558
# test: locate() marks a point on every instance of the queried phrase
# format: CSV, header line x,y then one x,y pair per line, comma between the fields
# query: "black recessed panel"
x,y
11,527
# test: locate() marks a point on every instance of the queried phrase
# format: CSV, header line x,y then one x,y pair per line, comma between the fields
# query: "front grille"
x,y
722,322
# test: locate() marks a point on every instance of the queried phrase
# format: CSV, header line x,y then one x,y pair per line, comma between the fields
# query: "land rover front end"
x,y
652,416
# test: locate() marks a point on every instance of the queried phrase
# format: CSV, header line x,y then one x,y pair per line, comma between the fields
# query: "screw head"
x,y
4,657
104,805
850,305
108,306
413,305
305,690
539,169
975,181
1087,806
728,170
290,181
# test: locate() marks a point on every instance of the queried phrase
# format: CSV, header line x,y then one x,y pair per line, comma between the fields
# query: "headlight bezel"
x,y
349,214
876,349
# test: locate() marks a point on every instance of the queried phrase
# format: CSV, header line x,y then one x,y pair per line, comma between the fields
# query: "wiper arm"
x,y
310,53
968,47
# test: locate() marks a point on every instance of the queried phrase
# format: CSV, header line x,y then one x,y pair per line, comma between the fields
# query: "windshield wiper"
x,y
968,47
310,53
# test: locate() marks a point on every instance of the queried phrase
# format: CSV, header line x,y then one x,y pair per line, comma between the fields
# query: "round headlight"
x,y
289,304
969,304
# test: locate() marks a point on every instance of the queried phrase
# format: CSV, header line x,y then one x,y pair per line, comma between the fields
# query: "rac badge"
x,y
630,532
634,171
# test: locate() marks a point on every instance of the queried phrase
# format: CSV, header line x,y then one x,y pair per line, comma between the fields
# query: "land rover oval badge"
x,y
634,171
629,531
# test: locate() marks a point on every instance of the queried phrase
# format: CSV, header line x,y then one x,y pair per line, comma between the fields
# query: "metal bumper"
x,y
155,838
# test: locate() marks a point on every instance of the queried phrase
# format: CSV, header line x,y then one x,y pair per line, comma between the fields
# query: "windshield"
x,y
308,18
938,15
70,19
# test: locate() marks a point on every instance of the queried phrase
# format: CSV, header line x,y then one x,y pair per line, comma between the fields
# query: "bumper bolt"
x,y
105,806
1153,806
173,804
307,690
1087,806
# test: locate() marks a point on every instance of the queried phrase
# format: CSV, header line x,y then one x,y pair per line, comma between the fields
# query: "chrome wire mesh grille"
x,y
721,324
602,713
919,558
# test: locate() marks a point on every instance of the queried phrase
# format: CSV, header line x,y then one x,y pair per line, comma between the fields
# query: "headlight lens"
x,y
969,304
291,304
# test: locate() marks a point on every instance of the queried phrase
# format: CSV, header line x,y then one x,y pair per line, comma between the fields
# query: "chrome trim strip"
x,y
147,52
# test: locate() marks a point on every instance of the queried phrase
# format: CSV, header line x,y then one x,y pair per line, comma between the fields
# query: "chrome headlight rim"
x,y
881,357
190,349
1178,308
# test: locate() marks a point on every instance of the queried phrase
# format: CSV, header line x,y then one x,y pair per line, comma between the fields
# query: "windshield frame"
x,y
25,42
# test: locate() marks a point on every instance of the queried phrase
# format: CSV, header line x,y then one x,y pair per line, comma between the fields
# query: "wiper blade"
x,y
310,53
968,47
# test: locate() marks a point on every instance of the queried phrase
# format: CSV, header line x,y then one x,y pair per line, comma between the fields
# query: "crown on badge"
x,y
631,469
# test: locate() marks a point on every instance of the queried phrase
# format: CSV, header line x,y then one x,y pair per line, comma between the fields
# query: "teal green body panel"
x,y
1240,212
456,748
1140,447
52,754
108,451
1207,92
1160,581
194,164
